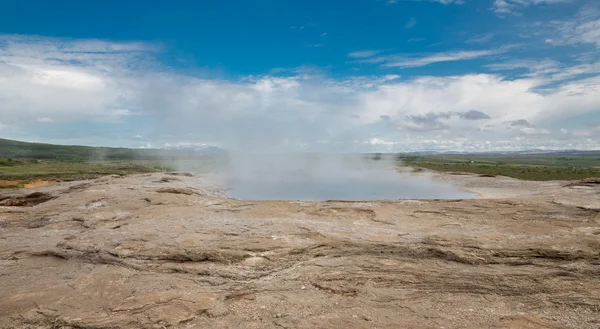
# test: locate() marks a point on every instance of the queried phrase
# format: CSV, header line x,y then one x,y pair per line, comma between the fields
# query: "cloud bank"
x,y
121,94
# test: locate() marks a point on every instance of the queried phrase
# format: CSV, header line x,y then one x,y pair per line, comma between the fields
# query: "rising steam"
x,y
317,177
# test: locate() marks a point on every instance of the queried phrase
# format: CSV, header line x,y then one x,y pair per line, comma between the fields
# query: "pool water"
x,y
331,181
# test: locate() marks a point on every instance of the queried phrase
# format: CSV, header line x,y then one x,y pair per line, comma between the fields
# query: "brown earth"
x,y
10,183
26,184
39,183
164,251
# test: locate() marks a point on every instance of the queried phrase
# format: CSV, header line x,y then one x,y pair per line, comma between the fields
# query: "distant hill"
x,y
200,149
20,150
515,153
538,152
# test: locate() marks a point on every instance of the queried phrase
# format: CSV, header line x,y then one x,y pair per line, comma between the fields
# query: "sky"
x,y
303,75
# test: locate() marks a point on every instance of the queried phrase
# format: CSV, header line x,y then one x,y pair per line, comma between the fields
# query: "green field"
x,y
24,162
32,169
22,150
567,165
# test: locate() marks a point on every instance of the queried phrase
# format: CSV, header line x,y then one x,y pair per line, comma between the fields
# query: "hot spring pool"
x,y
328,177
351,189
345,185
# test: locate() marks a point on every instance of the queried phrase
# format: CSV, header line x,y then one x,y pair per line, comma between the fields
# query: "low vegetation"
x,y
23,150
568,165
17,173
23,163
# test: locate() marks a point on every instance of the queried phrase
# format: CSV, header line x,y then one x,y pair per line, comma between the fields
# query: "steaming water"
x,y
311,179
367,188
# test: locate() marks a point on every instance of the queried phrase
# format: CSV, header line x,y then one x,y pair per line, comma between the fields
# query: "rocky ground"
x,y
171,251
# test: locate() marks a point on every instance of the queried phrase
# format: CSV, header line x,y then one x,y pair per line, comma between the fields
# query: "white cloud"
x,y
482,38
503,7
538,68
364,53
427,59
548,71
378,141
410,23
68,79
584,28
534,131
47,120
299,111
533,65
576,70
444,2
447,2
500,99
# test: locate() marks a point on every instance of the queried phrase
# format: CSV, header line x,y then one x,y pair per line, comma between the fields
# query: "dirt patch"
x,y
39,183
25,183
11,183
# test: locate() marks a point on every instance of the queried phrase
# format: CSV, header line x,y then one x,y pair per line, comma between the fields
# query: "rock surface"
x,y
150,251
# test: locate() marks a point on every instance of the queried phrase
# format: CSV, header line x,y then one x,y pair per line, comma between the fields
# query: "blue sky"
x,y
359,75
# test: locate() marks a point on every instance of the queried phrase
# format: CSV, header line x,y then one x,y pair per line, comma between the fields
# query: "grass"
x,y
545,167
23,150
33,169
22,162
25,162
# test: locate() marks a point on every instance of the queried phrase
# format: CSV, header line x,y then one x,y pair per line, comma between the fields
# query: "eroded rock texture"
x,y
159,251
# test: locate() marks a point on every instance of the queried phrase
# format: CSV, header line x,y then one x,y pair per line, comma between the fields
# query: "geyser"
x,y
310,177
